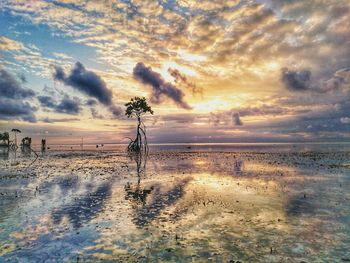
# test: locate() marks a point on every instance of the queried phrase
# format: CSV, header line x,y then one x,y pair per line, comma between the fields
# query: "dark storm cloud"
x,y
68,106
23,78
89,83
16,109
160,87
11,88
85,81
12,95
47,101
236,119
296,80
91,102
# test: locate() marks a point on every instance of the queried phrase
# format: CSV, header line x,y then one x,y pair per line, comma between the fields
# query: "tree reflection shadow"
x,y
26,150
238,167
135,193
4,153
145,212
299,206
84,209
161,200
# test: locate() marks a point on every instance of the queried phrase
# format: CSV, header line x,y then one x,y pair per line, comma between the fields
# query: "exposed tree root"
x,y
139,145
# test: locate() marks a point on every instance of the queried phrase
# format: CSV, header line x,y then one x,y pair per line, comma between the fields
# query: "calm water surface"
x,y
182,205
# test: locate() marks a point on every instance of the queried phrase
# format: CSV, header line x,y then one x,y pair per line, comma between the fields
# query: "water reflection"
x,y
160,200
13,156
177,207
4,153
83,209
26,150
135,192
145,212
300,206
237,167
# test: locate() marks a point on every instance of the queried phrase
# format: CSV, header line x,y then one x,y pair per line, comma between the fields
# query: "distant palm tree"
x,y
15,131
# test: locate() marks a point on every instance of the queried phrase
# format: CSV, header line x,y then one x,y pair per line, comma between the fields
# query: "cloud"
x,y
345,120
236,119
116,110
12,99
216,118
10,87
91,102
160,87
263,109
339,80
16,109
85,81
296,80
9,44
23,78
95,114
88,82
208,5
66,105
47,101
53,120
182,80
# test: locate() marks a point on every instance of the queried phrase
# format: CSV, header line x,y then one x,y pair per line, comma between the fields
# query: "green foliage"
x,y
136,107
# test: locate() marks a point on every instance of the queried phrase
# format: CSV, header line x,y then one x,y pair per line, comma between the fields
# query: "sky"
x,y
213,71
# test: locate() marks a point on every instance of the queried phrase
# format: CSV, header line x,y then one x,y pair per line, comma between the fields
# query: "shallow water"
x,y
180,206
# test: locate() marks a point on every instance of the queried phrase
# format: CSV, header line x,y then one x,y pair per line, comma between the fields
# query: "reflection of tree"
x,y
13,152
4,152
299,205
5,138
136,193
25,146
161,200
145,213
43,145
25,150
237,167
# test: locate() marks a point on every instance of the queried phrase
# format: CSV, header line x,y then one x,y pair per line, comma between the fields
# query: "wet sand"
x,y
180,207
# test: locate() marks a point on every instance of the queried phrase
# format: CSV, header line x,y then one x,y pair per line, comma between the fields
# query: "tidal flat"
x,y
176,206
